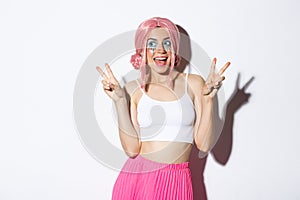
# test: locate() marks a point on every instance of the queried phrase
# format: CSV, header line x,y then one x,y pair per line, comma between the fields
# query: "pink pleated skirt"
x,y
143,179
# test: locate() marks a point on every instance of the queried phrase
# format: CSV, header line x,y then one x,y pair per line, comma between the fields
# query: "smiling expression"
x,y
159,50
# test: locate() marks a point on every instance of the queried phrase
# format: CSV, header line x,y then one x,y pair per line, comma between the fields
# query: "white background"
x,y
44,44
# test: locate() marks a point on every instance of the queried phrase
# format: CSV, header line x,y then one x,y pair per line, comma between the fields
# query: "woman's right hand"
x,y
110,84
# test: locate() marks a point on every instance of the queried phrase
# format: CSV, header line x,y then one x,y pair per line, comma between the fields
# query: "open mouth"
x,y
160,61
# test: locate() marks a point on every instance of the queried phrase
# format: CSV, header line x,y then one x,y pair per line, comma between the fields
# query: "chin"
x,y
161,69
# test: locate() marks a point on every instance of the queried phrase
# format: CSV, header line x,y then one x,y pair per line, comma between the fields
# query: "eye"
x,y
151,44
167,44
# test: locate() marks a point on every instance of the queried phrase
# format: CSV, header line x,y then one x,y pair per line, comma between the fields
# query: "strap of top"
x,y
186,82
139,85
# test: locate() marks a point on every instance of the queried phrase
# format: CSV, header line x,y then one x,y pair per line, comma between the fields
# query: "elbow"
x,y
205,142
202,148
132,154
131,148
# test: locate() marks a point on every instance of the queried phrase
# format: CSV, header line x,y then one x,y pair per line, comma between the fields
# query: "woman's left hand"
x,y
214,80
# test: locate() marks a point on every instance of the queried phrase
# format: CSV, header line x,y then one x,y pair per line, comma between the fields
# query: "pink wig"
x,y
138,60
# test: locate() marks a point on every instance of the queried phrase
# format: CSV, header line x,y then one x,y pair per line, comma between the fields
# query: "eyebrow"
x,y
156,39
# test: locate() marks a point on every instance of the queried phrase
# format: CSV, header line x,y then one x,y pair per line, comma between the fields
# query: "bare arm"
x,y
203,128
128,135
204,92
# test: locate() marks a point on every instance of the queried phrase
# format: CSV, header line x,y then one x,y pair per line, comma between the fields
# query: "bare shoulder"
x,y
131,88
195,82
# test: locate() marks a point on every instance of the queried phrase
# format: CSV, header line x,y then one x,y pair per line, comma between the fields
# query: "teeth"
x,y
160,58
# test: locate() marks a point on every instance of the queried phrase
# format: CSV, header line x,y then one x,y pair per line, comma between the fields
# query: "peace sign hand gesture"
x,y
110,84
214,80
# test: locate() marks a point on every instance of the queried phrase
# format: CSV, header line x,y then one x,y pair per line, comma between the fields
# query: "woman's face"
x,y
159,50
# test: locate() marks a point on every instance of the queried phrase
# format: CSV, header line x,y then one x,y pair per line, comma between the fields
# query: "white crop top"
x,y
166,120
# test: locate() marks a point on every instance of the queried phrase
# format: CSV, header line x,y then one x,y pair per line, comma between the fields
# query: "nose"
x,y
160,48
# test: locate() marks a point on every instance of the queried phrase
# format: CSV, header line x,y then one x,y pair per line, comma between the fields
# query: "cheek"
x,y
149,55
150,52
170,56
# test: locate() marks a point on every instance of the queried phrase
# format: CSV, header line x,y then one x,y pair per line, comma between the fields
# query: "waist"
x,y
140,164
166,152
181,165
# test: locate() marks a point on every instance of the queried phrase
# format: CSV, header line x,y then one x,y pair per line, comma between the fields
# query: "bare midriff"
x,y
166,152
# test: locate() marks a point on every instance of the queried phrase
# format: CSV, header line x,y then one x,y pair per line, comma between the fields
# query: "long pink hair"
x,y
138,60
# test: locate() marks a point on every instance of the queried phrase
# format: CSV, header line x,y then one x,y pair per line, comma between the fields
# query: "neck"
x,y
158,78
155,77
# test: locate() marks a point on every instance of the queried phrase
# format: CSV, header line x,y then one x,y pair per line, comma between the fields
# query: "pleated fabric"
x,y
143,179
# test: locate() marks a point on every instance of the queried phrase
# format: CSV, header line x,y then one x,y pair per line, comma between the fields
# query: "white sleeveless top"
x,y
166,120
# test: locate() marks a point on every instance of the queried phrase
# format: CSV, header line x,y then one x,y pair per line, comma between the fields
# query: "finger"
x,y
101,72
110,73
213,66
222,70
217,86
106,87
104,82
213,93
218,81
111,86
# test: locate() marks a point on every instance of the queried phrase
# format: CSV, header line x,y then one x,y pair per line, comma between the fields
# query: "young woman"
x,y
167,112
